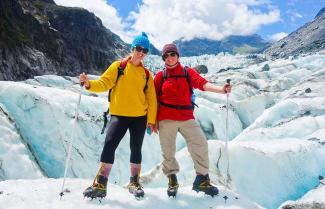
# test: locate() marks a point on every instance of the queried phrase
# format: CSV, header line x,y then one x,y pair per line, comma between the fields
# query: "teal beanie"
x,y
141,40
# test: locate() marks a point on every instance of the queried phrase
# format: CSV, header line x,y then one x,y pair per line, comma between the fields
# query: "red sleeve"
x,y
197,81
157,81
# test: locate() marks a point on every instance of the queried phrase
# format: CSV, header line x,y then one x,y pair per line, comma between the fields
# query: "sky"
x,y
169,20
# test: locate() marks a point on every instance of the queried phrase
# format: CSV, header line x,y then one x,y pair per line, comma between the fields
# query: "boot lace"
x,y
98,185
135,185
205,184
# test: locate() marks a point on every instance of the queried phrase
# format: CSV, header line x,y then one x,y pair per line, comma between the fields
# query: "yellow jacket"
x,y
127,96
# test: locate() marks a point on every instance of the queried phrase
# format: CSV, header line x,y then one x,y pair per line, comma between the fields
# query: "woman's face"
x,y
171,58
139,52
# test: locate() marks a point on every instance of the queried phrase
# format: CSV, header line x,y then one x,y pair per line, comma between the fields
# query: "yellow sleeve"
x,y
107,80
152,101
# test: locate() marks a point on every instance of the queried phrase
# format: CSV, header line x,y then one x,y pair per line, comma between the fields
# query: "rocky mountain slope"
x,y
39,37
307,39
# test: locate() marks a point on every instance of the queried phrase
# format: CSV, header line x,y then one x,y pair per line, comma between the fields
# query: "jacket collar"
x,y
177,66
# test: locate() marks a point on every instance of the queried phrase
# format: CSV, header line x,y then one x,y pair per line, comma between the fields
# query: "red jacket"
x,y
176,91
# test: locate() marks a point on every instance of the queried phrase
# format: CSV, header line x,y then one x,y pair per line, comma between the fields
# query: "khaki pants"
x,y
196,143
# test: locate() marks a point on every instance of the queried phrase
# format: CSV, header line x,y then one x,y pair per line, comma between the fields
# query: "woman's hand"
x,y
226,88
151,128
217,89
84,81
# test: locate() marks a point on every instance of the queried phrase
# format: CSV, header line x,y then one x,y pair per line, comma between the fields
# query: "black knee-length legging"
x,y
118,125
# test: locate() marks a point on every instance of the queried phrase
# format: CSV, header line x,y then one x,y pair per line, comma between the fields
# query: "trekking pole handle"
x,y
228,83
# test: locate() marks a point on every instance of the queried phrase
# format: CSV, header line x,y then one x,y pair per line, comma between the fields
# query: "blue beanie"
x,y
141,40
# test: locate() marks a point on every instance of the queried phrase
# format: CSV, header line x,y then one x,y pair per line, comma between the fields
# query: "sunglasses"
x,y
171,54
141,49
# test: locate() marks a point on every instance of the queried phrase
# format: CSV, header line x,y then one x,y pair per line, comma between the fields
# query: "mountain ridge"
x,y
232,44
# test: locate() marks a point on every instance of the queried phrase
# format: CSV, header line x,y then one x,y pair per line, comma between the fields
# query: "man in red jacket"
x,y
175,114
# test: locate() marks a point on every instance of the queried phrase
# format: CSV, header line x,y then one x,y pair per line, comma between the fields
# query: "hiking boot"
x,y
98,189
135,187
172,185
202,184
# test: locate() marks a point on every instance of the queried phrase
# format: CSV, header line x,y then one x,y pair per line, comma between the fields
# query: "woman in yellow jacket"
x,y
133,107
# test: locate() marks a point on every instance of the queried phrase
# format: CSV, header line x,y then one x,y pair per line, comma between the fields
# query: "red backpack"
x,y
186,76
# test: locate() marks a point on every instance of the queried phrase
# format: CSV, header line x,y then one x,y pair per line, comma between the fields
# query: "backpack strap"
x,y
190,86
164,77
147,78
178,107
120,71
188,79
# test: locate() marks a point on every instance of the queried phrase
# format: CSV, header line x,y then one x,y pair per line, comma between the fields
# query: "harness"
x,y
185,75
120,72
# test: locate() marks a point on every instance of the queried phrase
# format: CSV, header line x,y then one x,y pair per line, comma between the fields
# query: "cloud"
x,y
278,36
297,15
168,20
107,13
294,16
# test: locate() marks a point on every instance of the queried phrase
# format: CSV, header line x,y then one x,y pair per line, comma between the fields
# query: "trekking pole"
x,y
71,142
226,145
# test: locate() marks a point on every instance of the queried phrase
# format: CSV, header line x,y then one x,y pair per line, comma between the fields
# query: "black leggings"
x,y
118,125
